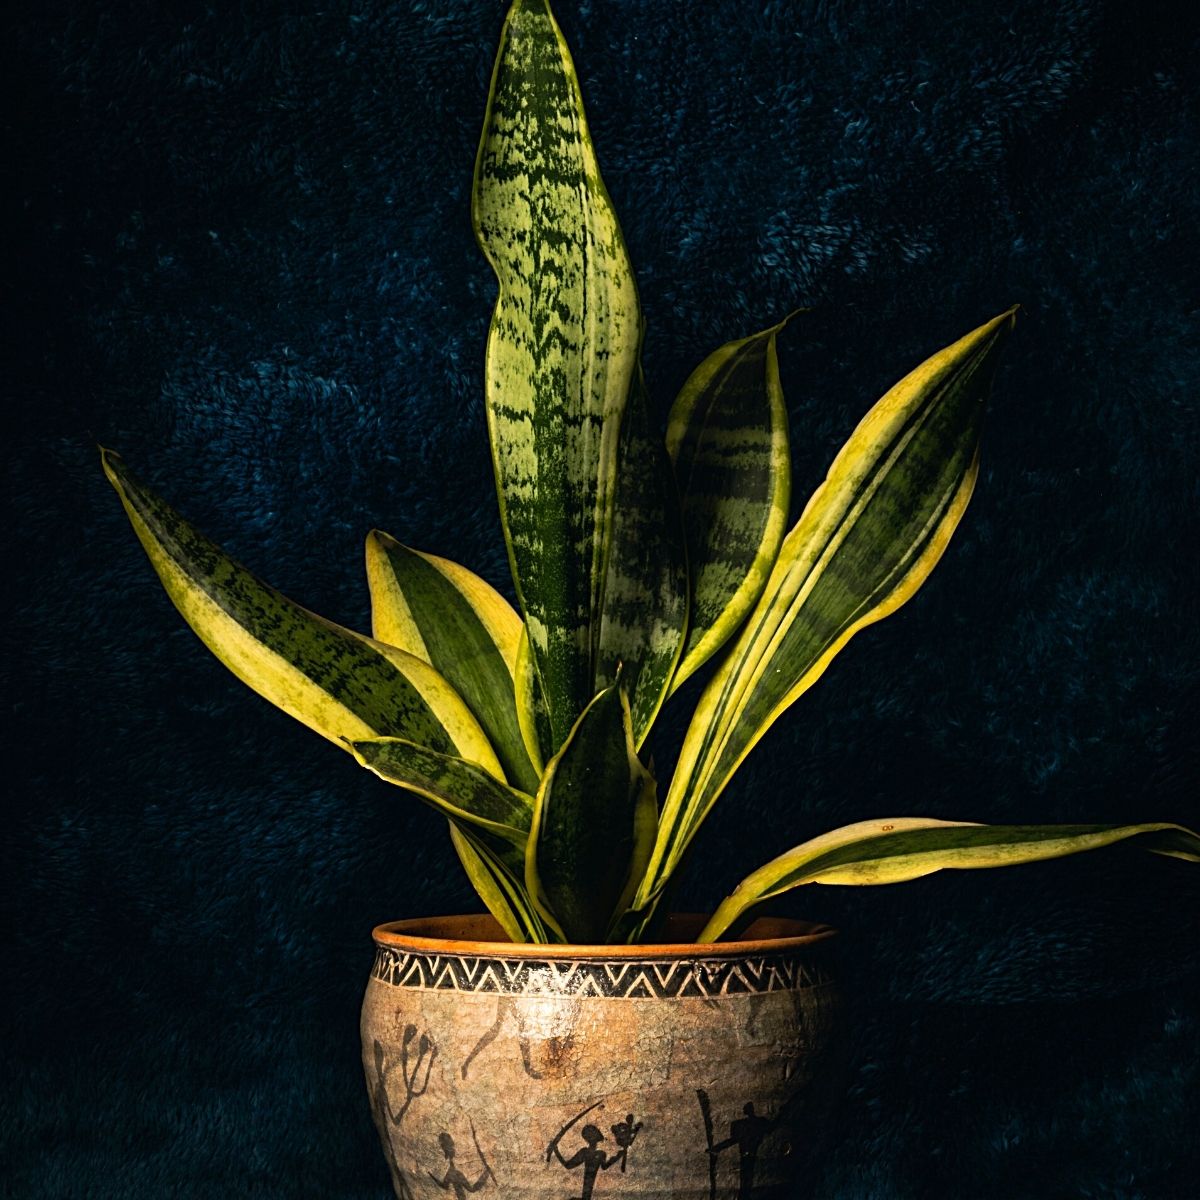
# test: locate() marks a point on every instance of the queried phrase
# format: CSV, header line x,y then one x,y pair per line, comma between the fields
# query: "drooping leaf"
x,y
645,586
866,541
337,682
592,823
901,848
728,440
474,800
504,896
489,823
460,625
561,351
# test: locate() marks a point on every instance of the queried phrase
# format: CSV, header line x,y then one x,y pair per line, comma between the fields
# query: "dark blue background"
x,y
241,254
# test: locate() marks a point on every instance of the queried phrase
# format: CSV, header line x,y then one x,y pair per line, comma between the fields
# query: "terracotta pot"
x,y
663,1071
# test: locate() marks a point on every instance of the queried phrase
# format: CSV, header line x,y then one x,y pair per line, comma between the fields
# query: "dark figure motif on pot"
x,y
624,1132
746,1133
454,1180
555,1049
545,1059
591,1158
416,1081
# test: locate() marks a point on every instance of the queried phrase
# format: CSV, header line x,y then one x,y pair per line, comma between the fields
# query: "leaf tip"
x,y
111,461
780,326
1003,324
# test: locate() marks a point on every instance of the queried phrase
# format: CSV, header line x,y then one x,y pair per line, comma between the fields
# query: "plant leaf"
x,y
561,351
866,541
532,715
645,584
589,831
461,626
337,682
504,896
728,440
900,848
475,801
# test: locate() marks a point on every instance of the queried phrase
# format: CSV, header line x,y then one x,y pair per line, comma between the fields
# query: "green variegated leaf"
x,y
460,625
489,824
866,541
645,585
901,848
645,826
592,824
561,350
339,683
727,437
474,800
504,896
533,718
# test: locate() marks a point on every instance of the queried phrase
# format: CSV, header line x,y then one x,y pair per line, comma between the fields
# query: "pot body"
x,y
675,1071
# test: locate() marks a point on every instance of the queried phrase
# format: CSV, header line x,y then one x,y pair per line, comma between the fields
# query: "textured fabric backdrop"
x,y
241,254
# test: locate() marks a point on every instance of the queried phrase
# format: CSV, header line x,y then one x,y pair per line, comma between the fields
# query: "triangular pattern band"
x,y
623,978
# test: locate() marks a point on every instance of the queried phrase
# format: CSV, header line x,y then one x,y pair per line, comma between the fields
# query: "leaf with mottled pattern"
x,y
532,715
335,681
561,352
460,625
896,849
728,440
504,895
593,824
473,799
645,581
867,539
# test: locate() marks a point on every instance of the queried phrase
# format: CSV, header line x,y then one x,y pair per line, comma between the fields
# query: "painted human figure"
x,y
381,1109
415,1085
746,1133
624,1133
590,1157
454,1178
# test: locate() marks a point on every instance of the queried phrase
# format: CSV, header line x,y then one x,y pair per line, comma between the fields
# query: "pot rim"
x,y
430,935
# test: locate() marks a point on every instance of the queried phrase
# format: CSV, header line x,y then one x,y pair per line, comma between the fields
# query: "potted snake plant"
x,y
580,1027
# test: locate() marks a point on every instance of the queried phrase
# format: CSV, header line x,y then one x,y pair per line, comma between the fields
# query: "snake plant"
x,y
637,561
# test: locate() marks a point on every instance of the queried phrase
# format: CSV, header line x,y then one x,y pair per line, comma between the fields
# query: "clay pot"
x,y
671,1071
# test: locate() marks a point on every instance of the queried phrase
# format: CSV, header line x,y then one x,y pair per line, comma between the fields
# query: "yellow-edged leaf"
x,y
727,437
561,352
593,824
895,849
337,682
504,896
461,790
645,609
458,623
867,539
532,717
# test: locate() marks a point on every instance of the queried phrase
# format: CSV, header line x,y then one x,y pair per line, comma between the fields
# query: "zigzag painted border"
x,y
628,979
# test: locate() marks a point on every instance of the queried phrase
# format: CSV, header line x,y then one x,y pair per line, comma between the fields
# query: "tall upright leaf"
x,y
561,350
645,582
460,625
337,682
593,823
727,437
866,541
